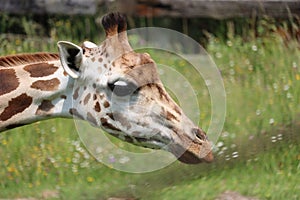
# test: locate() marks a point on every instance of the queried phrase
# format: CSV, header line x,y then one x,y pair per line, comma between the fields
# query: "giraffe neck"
x,y
33,87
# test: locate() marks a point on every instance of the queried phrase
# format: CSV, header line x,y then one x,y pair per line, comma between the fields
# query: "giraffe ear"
x,y
70,57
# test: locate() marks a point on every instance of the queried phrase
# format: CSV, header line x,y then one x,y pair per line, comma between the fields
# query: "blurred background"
x,y
256,46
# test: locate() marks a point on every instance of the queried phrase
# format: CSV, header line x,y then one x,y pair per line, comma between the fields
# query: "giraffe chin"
x,y
194,154
190,158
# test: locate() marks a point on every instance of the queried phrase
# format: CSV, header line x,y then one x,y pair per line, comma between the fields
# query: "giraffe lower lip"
x,y
193,153
190,158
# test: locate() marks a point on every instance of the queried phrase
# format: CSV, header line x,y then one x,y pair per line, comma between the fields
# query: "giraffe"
x,y
110,86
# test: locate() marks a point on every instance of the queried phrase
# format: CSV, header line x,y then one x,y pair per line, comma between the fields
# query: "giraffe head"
x,y
120,90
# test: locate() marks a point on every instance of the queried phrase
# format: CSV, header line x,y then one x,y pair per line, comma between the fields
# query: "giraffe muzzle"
x,y
197,153
193,151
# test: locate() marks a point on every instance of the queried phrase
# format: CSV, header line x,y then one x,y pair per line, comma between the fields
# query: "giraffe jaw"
x,y
192,152
188,145
190,156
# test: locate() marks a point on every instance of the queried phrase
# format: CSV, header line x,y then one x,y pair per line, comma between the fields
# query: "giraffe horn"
x,y
114,23
115,26
122,27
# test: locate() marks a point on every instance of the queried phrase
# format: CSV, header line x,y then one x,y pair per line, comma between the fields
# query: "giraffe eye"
x,y
122,88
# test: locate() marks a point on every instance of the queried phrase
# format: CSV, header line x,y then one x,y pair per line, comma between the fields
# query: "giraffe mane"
x,y
22,59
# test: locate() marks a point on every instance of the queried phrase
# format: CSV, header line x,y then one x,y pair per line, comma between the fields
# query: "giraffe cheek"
x,y
122,120
91,119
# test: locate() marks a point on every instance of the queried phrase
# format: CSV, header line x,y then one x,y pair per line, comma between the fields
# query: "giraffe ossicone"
x,y
110,86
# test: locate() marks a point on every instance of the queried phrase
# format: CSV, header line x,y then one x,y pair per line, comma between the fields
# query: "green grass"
x,y
257,155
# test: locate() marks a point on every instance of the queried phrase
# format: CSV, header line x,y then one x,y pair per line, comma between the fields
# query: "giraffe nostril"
x,y
199,134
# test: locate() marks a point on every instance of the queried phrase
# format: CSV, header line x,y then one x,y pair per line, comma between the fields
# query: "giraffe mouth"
x,y
193,151
193,154
189,152
187,149
190,158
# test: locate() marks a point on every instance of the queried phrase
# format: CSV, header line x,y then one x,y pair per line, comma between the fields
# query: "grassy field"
x,y
257,155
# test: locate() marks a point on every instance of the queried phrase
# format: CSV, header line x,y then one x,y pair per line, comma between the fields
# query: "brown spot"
x,y
170,116
100,59
107,125
97,107
120,118
177,109
40,69
136,134
65,73
87,98
75,113
111,115
91,118
93,59
15,106
75,95
46,85
63,96
101,96
45,108
162,93
8,81
94,97
106,104
94,85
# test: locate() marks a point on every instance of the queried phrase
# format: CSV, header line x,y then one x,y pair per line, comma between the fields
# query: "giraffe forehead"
x,y
93,52
133,59
144,74
138,67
